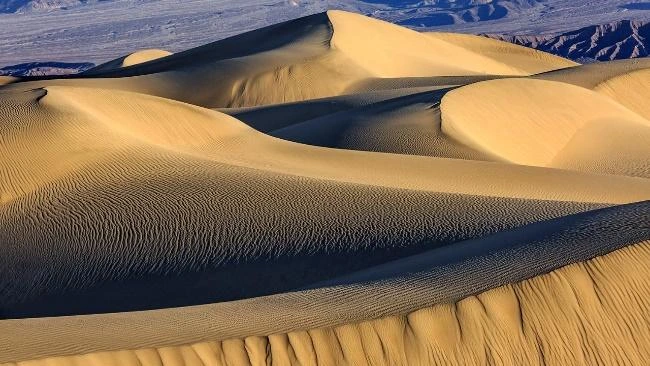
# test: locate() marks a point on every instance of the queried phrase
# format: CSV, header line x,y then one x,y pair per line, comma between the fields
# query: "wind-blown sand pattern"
x,y
331,190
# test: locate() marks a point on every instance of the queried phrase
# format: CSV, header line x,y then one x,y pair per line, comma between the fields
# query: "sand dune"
x,y
405,125
528,60
4,80
108,152
343,158
592,75
630,89
135,58
508,119
513,320
313,57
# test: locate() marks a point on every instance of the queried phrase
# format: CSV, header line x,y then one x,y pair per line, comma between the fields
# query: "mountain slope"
x,y
612,41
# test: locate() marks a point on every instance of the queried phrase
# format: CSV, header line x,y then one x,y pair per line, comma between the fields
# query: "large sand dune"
x,y
343,158
316,56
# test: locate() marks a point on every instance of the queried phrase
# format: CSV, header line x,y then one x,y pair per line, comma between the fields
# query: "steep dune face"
x,y
491,213
405,125
368,42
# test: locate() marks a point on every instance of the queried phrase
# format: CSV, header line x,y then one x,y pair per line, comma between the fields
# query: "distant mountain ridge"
x,y
434,13
21,6
612,41
45,68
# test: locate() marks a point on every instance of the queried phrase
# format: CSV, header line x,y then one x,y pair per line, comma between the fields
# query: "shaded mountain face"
x,y
435,13
45,68
613,41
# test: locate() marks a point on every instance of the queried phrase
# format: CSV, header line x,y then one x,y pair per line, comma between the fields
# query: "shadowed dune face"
x,y
360,194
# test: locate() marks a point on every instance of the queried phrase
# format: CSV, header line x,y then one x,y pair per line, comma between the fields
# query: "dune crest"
x,y
422,290
509,324
143,56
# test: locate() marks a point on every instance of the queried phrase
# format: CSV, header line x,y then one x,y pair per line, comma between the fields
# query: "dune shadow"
x,y
636,6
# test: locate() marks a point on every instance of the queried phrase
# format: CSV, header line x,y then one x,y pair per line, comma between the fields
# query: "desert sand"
x,y
331,190
4,80
135,58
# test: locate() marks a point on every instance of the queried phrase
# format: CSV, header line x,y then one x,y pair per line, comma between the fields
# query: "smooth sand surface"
x,y
630,89
359,194
527,60
4,80
507,119
592,75
135,58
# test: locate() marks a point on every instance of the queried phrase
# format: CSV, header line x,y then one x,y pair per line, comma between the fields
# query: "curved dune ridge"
x,y
343,158
135,58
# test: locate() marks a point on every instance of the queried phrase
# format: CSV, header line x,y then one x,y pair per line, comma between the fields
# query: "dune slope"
x,y
122,162
528,60
443,320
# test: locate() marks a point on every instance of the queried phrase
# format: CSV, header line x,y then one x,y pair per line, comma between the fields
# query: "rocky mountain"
x,y
436,13
45,68
618,40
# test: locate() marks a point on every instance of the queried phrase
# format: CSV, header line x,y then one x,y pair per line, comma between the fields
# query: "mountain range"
x,y
612,41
